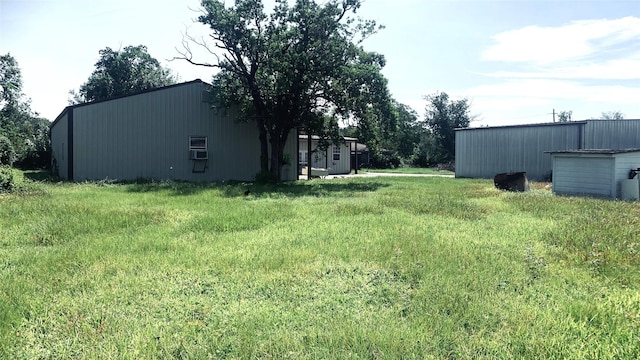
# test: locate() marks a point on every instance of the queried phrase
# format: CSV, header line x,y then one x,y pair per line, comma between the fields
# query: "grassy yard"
x,y
361,268
411,170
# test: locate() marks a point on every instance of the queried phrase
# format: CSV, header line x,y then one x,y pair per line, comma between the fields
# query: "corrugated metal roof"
x,y
522,126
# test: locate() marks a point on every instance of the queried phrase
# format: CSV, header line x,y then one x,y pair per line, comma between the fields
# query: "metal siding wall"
x,y
485,152
59,144
584,175
147,136
623,164
612,134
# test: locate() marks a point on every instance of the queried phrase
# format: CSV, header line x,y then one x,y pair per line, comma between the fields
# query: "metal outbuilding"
x,y
165,133
593,172
486,151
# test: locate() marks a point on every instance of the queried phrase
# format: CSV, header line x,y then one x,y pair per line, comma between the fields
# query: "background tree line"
x,y
24,135
407,140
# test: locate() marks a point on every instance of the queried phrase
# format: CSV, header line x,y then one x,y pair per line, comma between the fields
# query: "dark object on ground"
x,y
246,193
516,181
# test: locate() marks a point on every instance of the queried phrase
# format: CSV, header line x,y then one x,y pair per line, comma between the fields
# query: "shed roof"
x,y
316,137
594,151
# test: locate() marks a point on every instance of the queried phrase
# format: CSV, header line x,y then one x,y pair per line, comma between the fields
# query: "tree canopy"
x,y
611,115
442,116
123,72
24,136
301,66
565,116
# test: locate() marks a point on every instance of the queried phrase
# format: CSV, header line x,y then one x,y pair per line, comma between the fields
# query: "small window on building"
x,y
336,153
197,143
302,155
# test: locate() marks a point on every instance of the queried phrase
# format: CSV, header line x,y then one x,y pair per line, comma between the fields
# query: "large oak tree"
x,y
301,66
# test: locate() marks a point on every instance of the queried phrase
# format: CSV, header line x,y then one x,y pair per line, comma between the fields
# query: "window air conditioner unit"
x,y
198,154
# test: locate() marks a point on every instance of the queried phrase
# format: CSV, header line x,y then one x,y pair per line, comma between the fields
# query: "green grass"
x,y
411,170
351,268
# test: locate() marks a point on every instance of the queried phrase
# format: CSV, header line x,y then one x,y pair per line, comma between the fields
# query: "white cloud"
x,y
578,39
586,66
535,90
617,69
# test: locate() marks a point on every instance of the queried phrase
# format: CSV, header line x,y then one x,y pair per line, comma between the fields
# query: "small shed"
x,y
337,158
593,172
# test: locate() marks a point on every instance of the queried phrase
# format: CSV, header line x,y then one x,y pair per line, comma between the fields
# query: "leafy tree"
x,y
442,117
612,115
408,132
25,136
426,152
302,66
391,140
10,80
125,72
564,116
7,154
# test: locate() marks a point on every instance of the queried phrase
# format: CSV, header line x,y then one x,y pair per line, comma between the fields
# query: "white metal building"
x,y
165,133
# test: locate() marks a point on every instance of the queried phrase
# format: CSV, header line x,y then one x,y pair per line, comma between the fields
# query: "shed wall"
x,y
342,166
324,159
485,152
623,165
584,175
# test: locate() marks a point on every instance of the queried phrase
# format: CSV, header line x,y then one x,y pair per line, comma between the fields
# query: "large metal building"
x,y
486,151
168,133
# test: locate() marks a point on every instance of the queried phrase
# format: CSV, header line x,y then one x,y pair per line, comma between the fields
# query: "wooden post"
x,y
308,153
355,145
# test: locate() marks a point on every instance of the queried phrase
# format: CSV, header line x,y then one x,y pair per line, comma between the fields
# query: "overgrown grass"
x,y
411,170
351,268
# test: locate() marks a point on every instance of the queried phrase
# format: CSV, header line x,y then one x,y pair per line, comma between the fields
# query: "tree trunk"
x,y
262,129
264,148
278,142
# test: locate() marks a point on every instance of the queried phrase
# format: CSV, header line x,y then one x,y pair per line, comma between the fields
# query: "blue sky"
x,y
515,61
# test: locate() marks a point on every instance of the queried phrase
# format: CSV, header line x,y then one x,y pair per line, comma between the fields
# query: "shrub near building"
x,y
7,183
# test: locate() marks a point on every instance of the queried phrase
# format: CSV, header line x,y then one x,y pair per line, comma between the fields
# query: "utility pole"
x,y
554,115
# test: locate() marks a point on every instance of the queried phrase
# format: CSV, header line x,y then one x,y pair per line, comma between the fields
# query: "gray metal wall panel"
x,y
59,144
485,152
623,165
584,175
147,136
612,134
